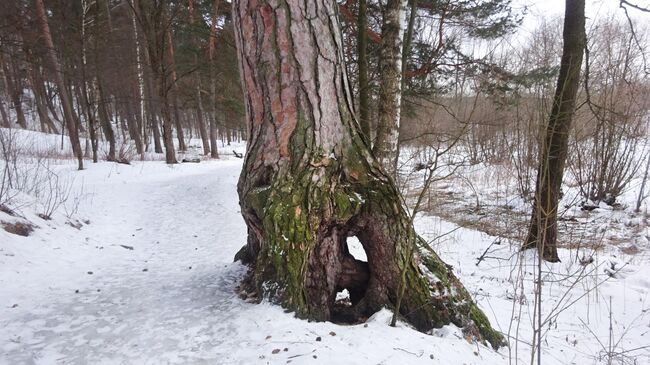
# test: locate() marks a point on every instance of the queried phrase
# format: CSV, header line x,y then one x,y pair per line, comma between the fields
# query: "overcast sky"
x,y
594,9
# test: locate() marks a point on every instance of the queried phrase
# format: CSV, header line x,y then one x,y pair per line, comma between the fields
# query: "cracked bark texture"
x,y
310,181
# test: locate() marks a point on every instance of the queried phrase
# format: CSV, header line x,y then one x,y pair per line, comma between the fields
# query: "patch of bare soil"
x,y
18,228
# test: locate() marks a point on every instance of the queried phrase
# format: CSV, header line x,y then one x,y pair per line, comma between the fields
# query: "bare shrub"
x,y
9,156
126,153
52,193
30,171
607,142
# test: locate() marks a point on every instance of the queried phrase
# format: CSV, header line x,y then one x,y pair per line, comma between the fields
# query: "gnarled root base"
x,y
299,258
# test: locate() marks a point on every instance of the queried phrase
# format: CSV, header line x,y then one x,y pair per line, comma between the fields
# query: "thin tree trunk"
x,y
131,117
78,100
199,100
309,181
66,99
212,44
141,93
201,123
156,133
177,117
14,91
38,89
3,112
386,147
168,139
408,38
102,109
36,83
362,54
90,116
105,122
152,101
87,105
49,96
543,226
641,196
154,19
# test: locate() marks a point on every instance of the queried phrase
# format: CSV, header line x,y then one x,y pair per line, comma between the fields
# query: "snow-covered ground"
x,y
148,278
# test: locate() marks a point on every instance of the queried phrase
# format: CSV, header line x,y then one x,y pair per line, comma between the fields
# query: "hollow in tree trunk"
x,y
310,181
553,152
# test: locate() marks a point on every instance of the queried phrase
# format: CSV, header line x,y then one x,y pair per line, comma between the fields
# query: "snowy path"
x,y
150,280
123,313
78,296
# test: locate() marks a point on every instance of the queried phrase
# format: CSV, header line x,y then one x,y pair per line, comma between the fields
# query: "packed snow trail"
x,y
163,261
150,280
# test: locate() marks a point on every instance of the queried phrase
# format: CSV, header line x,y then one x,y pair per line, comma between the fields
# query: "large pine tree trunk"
x,y
309,182
543,226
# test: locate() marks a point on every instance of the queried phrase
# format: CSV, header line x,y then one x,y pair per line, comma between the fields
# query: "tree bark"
x,y
102,100
153,17
212,44
201,123
386,146
14,90
104,120
543,226
199,100
38,88
132,120
66,99
310,181
41,107
142,115
168,139
3,113
408,38
87,102
150,96
362,54
177,117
